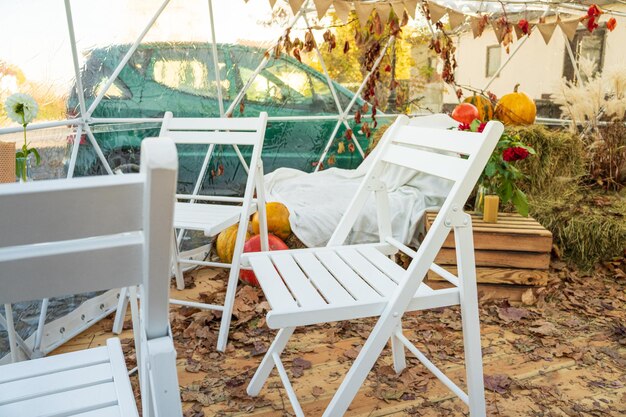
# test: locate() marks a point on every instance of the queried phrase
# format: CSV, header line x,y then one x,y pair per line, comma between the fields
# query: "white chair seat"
x,y
209,218
310,286
92,382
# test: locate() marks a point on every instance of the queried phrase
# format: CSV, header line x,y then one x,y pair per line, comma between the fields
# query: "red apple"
x,y
465,113
254,245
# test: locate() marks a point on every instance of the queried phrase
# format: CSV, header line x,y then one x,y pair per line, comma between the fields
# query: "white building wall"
x,y
615,52
537,67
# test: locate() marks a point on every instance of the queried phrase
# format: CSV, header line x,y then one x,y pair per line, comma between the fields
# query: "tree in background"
x,y
351,49
13,79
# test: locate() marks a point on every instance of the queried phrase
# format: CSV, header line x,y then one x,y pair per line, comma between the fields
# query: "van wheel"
x,y
124,160
121,160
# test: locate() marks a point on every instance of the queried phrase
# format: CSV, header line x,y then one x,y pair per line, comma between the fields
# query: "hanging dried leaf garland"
x,y
330,40
309,41
506,32
443,45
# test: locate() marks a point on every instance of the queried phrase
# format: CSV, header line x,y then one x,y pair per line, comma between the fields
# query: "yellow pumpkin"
x,y
484,106
516,108
277,220
225,245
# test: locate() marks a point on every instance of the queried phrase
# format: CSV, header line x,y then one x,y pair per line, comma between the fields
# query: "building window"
x,y
585,45
493,60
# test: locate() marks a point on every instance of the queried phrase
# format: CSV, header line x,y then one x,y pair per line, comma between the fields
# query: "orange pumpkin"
x,y
225,245
516,108
484,106
277,220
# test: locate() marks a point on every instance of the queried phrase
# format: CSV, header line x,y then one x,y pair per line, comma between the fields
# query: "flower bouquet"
x,y
22,109
501,174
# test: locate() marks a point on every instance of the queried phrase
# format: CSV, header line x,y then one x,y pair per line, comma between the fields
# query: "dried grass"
x,y
588,225
600,95
558,165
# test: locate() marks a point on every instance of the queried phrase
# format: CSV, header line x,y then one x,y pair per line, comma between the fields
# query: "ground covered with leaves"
x,y
559,353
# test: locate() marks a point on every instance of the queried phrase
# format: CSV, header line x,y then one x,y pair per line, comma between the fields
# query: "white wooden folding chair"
x,y
337,282
211,218
65,237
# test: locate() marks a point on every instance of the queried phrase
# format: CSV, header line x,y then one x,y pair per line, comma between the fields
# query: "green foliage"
x,y
501,177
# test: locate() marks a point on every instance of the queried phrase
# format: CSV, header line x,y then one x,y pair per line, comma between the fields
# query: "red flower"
x,y
610,25
481,127
515,154
592,16
524,26
464,126
591,24
594,11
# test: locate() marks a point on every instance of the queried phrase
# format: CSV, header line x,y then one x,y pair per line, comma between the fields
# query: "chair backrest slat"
x,y
459,156
66,210
233,124
84,267
444,166
209,137
91,234
462,142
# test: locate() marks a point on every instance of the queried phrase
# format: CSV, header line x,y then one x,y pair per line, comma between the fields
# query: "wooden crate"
x,y
516,250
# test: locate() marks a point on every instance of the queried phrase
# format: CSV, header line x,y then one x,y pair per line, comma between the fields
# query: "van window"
x,y
117,90
284,83
182,71
262,89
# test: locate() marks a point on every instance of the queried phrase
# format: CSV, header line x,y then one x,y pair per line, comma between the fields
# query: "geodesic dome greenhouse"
x,y
104,73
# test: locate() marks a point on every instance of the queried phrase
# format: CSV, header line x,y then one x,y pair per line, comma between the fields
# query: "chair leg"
x,y
178,273
398,351
229,301
122,303
37,353
470,319
267,364
134,313
8,311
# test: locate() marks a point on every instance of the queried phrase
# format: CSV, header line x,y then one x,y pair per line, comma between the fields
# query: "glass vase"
x,y
23,169
479,202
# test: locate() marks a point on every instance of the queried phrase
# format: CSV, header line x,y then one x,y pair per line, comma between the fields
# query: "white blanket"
x,y
317,201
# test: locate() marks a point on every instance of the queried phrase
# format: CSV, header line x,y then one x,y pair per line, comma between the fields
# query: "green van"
x,y
180,77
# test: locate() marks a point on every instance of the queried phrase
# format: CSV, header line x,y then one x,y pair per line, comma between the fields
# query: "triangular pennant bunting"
x,y
497,30
569,27
363,11
322,7
272,3
295,5
519,33
455,18
383,11
436,12
546,29
342,10
411,7
475,23
398,8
